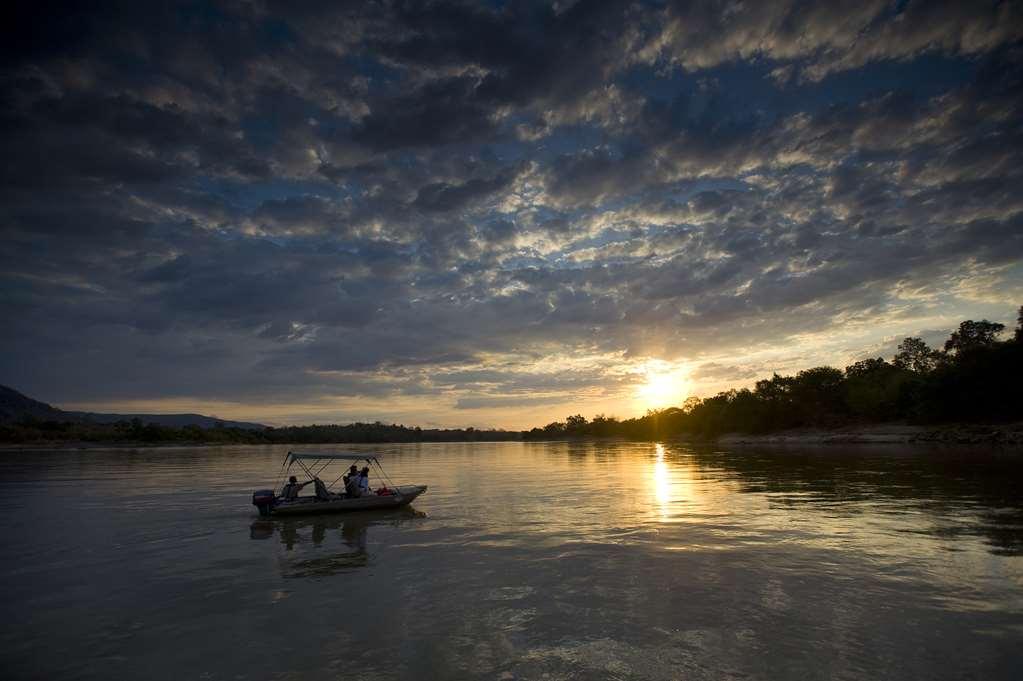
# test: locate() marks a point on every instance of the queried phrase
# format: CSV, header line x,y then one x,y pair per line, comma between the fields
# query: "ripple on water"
x,y
524,560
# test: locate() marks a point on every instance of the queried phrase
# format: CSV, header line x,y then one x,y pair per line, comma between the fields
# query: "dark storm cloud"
x,y
444,196
237,200
440,112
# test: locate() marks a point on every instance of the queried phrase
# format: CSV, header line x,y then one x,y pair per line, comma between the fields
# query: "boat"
x,y
272,504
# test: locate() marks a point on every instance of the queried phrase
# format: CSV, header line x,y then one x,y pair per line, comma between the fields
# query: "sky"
x,y
494,214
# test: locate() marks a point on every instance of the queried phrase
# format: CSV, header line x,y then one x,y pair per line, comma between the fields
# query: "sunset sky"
x,y
495,214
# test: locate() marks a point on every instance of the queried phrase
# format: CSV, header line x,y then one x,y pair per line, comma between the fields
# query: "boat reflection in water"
x,y
349,533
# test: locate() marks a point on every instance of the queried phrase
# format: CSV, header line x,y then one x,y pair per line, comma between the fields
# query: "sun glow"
x,y
665,386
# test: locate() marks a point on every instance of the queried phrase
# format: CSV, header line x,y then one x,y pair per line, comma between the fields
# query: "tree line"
x,y
31,430
975,377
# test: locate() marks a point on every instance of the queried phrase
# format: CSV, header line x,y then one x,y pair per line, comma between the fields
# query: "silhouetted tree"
x,y
818,395
915,355
575,422
972,335
603,426
975,381
873,388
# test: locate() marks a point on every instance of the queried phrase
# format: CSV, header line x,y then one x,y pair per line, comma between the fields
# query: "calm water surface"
x,y
523,561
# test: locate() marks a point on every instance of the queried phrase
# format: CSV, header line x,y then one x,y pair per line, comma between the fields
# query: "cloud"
x,y
445,196
483,208
821,39
493,402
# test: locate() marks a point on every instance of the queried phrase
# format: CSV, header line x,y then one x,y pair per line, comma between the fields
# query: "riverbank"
x,y
44,445
962,434
51,445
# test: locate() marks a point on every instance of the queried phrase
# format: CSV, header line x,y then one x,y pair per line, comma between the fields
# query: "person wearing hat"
x,y
291,490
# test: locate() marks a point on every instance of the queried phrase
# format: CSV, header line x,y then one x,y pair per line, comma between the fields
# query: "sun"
x,y
664,387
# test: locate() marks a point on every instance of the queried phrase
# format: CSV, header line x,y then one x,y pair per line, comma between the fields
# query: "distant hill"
x,y
167,420
15,407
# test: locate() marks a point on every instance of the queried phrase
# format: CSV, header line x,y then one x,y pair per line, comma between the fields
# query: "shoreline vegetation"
x,y
1009,434
968,392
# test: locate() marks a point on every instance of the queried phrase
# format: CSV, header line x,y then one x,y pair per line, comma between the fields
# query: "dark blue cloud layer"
x,y
235,201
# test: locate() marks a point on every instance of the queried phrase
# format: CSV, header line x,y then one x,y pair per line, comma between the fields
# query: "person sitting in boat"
x,y
322,492
352,481
291,490
364,481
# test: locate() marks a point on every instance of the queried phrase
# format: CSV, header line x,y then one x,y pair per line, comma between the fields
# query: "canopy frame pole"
x,y
304,468
321,468
338,478
316,468
386,477
283,472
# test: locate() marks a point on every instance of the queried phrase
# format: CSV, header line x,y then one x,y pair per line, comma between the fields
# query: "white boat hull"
x,y
302,505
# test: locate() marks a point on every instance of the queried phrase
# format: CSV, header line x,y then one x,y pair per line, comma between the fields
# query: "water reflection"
x,y
662,483
349,532
958,492
537,560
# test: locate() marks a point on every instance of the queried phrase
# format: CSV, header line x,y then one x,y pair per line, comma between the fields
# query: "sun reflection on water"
x,y
662,482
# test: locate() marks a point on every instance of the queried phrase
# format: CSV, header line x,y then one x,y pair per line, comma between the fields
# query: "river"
x,y
523,561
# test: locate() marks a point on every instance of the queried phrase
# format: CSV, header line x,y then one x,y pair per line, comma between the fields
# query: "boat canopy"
x,y
314,464
316,456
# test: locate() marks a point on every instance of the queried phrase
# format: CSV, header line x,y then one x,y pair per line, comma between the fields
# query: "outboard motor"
x,y
263,499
